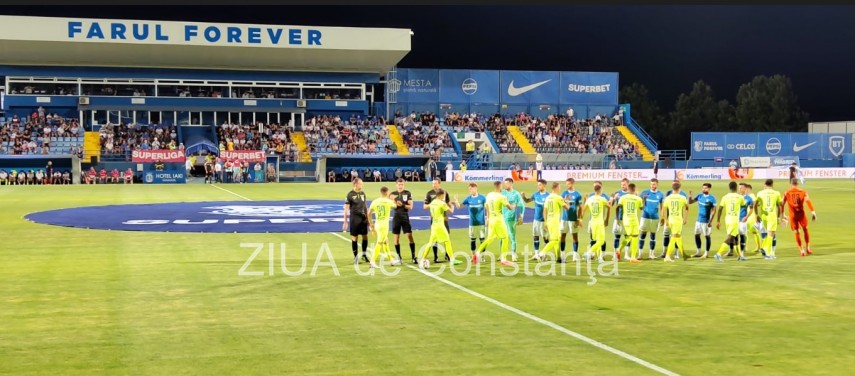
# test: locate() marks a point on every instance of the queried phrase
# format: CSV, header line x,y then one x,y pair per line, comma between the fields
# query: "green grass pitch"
x,y
83,302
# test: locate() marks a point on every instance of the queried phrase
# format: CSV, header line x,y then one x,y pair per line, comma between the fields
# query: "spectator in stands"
x,y
3,177
114,176
377,176
129,176
102,176
92,176
40,177
331,176
22,177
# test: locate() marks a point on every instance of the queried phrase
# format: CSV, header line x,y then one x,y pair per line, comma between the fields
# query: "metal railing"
x,y
648,141
675,155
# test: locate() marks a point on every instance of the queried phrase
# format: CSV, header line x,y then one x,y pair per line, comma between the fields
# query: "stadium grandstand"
x,y
329,110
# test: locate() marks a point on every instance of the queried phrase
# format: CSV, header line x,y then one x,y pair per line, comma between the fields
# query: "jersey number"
x,y
595,210
732,208
381,212
796,200
675,207
630,207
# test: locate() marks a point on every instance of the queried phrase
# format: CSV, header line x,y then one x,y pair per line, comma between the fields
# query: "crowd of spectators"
x,y
423,134
40,133
565,134
119,140
556,133
356,135
247,136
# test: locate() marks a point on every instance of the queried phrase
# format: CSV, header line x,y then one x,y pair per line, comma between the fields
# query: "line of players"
x,y
497,215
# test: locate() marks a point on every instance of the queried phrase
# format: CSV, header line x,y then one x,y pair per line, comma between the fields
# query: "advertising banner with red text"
x,y
243,155
151,156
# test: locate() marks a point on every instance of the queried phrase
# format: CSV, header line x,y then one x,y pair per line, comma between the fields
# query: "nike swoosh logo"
x,y
514,91
797,148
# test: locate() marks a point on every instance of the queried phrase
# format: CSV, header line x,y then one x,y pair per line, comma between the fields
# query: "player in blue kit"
x,y
706,210
666,232
539,199
570,220
475,202
617,225
653,198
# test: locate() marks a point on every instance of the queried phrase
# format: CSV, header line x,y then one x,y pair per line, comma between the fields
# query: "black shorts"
x,y
358,226
401,225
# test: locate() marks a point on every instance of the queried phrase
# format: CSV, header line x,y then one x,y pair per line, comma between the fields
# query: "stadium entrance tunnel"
x,y
224,217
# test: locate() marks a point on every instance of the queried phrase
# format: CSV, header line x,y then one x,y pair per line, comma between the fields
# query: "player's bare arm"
x,y
685,214
346,211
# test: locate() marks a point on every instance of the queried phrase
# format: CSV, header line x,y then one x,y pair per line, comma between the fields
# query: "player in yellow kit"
x,y
496,227
382,209
438,233
770,205
675,209
730,205
631,206
598,206
553,207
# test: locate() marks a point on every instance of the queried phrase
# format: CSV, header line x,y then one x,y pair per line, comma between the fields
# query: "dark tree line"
x,y
766,104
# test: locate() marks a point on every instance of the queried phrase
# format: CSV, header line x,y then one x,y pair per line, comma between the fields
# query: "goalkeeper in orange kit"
x,y
795,198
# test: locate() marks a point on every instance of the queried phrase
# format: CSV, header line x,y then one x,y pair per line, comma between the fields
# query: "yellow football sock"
x,y
598,247
448,251
552,245
722,250
633,246
376,254
388,251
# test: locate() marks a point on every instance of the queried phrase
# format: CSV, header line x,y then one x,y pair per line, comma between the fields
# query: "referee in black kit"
x,y
401,220
428,198
355,206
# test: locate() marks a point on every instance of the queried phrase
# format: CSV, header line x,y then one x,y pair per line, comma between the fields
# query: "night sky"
x,y
666,48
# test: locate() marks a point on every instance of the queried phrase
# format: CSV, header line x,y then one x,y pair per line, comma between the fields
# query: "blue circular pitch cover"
x,y
225,217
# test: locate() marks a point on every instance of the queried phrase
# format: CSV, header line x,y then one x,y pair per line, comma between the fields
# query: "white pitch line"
x,y
226,190
548,323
